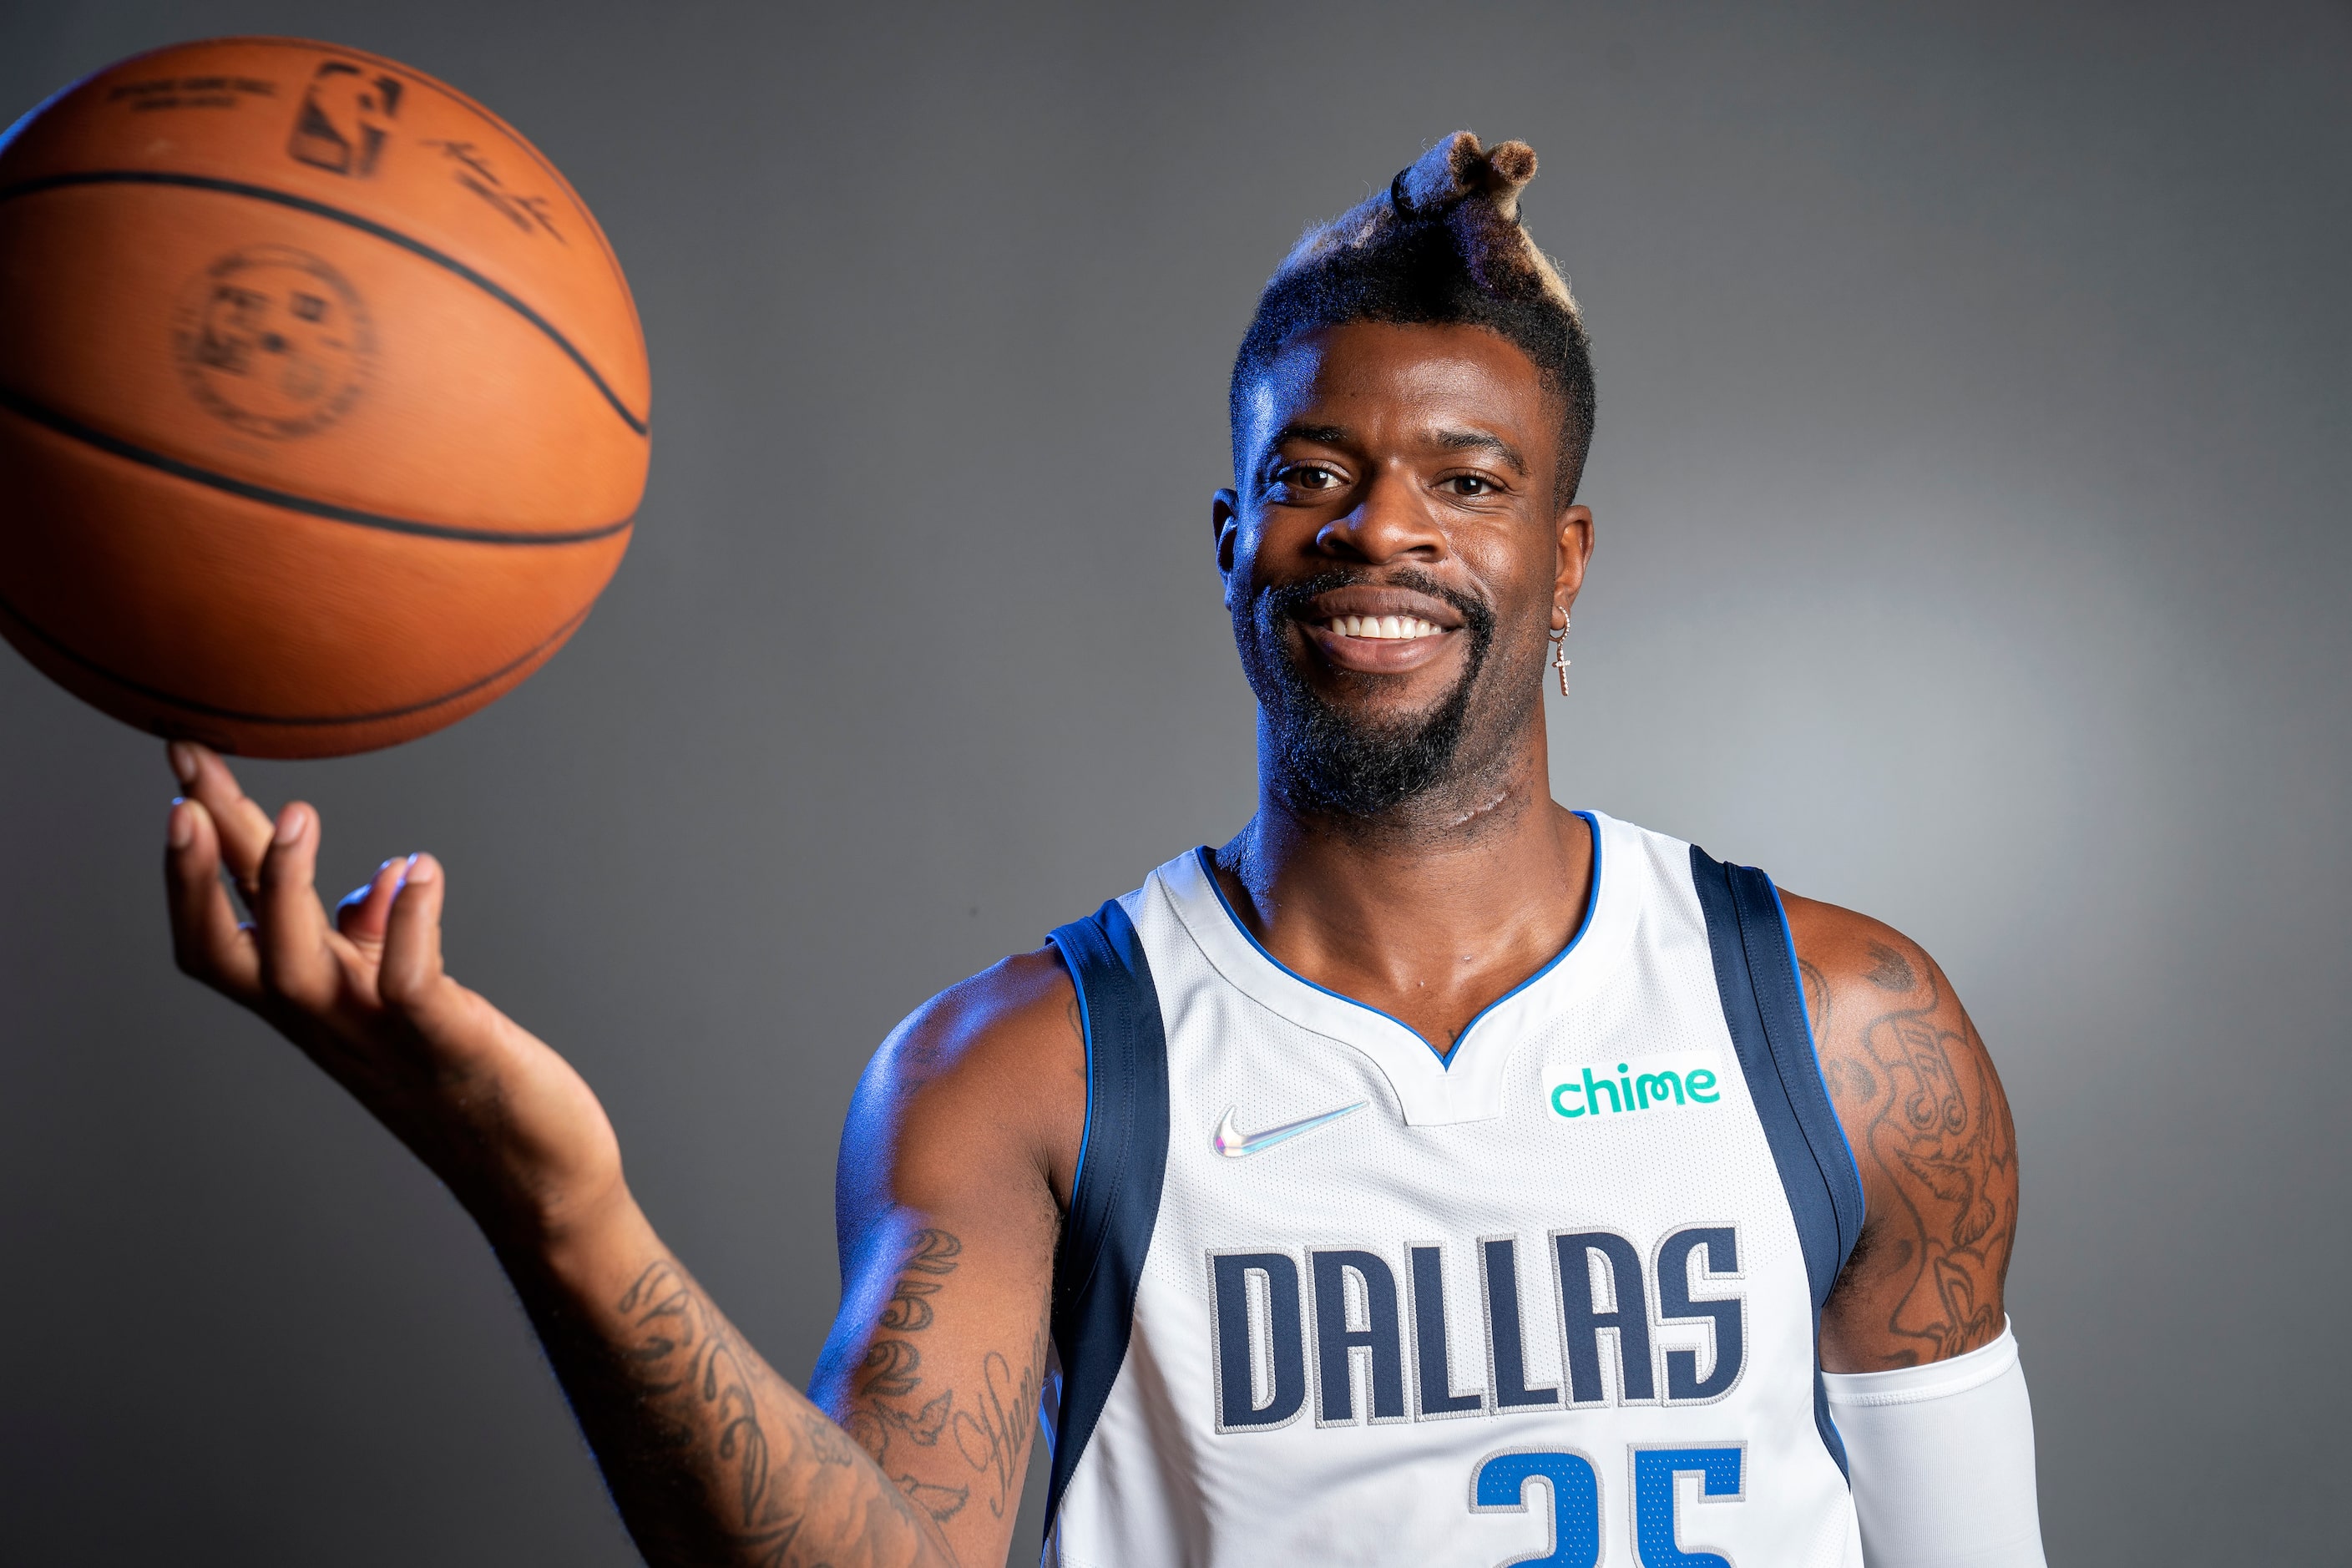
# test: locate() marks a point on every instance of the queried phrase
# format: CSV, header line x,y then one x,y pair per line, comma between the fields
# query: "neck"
x,y
1430,911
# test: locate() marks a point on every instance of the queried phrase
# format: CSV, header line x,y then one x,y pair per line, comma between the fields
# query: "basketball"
x,y
323,398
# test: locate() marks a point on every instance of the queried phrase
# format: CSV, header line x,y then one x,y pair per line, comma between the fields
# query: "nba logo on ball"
x,y
345,119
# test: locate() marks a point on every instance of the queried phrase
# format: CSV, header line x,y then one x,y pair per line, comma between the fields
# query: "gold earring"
x,y
1559,651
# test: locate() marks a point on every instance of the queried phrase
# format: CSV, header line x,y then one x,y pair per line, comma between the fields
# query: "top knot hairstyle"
x,y
1441,246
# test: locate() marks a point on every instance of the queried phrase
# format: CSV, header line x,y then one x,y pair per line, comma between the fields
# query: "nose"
x,y
1390,522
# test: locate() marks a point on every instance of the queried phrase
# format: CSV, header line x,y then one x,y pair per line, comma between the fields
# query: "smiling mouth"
x,y
1387,628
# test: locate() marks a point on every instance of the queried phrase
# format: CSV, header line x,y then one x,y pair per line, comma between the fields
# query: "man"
x,y
1426,1141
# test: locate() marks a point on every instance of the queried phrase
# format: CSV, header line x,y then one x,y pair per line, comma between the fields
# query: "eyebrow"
x,y
1317,435
1451,441
1481,441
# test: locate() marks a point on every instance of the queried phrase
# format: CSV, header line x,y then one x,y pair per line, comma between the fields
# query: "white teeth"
x,y
1386,628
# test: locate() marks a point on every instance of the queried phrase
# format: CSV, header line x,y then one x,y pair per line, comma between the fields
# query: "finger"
x,y
244,828
410,977
361,915
207,942
290,925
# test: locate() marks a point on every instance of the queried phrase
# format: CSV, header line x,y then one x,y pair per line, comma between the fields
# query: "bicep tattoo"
x,y
1938,1152
900,1412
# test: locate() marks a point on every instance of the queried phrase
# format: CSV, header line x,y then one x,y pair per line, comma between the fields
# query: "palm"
x,y
498,1115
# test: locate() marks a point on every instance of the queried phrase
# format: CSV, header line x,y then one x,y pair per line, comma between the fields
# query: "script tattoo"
x,y
1915,1090
994,1438
794,1497
899,1419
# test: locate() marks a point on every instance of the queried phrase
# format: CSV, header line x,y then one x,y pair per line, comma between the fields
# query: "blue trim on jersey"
x,y
1845,1138
1108,1233
1086,1039
1764,1008
1445,1058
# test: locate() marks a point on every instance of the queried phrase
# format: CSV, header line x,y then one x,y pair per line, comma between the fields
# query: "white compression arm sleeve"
x,y
1942,1461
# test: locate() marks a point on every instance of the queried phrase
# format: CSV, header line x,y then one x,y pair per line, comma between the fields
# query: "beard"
x,y
1330,760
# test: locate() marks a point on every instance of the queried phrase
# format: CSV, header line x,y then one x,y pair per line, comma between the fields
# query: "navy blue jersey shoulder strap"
x,y
1764,1005
1122,1157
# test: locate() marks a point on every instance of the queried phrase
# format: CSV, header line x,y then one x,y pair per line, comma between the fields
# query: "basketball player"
x,y
1431,1175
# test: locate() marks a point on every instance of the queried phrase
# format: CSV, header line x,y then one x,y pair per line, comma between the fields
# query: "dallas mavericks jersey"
x,y
1325,1298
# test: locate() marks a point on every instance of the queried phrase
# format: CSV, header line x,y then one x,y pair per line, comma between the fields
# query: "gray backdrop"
x,y
1970,473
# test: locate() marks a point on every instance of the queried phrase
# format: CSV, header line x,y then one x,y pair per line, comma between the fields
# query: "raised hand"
x,y
711,1457
499,1117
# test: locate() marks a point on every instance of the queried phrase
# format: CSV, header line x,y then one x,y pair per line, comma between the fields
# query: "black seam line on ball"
x,y
337,215
210,711
74,429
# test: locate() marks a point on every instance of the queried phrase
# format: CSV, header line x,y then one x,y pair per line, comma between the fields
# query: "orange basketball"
x,y
323,398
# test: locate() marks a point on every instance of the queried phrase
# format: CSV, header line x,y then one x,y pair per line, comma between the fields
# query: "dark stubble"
x,y
1326,761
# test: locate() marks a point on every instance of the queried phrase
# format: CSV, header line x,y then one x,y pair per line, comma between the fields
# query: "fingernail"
x,y
180,827
421,869
183,761
291,824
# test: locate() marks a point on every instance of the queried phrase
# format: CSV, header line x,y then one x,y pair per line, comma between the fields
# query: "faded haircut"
x,y
1442,245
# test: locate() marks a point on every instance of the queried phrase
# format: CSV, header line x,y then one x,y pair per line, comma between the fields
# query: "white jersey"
x,y
1324,1297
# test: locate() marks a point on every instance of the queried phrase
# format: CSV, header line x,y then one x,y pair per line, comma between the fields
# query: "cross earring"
x,y
1560,652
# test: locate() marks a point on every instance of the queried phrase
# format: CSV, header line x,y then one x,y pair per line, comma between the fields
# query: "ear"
x,y
1226,517
1574,540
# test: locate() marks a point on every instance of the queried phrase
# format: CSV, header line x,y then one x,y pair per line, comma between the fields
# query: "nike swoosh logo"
x,y
1234,1143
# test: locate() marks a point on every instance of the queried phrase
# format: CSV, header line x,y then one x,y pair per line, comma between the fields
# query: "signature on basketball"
x,y
474,172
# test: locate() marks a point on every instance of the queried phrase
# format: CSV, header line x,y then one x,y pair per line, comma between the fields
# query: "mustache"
x,y
1288,600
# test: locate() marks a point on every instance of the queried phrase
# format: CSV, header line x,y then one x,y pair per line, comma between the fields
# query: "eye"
x,y
1308,476
1469,485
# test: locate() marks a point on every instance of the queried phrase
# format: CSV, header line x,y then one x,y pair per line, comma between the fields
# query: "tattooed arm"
x,y
955,1169
711,1457
1931,1131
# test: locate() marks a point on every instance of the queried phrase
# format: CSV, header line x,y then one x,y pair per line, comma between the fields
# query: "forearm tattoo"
x,y
712,1458
1933,1135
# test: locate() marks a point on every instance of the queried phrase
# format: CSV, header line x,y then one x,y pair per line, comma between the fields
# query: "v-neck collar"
x,y
1465,1085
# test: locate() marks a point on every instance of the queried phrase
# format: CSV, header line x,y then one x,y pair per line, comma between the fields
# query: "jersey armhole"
x,y
1763,1000
1114,1189
1813,1048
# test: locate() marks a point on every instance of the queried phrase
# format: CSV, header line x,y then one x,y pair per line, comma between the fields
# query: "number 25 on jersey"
x,y
1499,1485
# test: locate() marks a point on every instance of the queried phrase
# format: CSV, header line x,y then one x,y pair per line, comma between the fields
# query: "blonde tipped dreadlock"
x,y
1441,246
